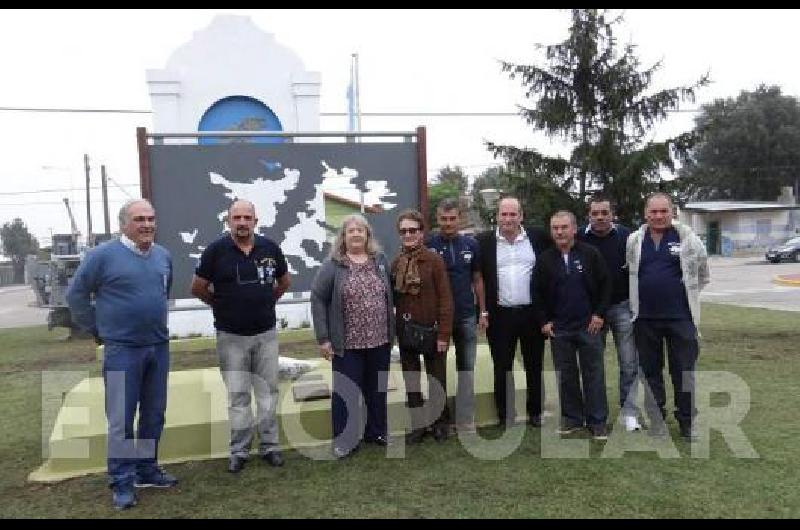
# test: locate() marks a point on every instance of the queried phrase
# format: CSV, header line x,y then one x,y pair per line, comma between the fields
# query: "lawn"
x,y
443,480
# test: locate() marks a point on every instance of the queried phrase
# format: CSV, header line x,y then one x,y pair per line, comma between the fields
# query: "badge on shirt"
x,y
467,256
578,265
266,270
674,248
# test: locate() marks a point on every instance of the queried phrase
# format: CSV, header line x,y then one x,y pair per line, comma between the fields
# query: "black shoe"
x,y
504,424
687,432
568,428
535,421
236,464
416,436
382,441
658,429
273,458
440,433
599,431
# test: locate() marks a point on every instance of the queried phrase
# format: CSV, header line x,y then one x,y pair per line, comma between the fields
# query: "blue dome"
x,y
239,113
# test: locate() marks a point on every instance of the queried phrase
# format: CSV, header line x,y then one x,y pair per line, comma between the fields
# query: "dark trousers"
x,y
436,370
507,327
134,376
578,358
680,337
360,377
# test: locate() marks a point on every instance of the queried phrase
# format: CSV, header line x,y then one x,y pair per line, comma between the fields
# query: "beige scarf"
x,y
406,279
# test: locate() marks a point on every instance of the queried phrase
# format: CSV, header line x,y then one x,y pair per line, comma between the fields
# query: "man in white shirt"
x,y
508,258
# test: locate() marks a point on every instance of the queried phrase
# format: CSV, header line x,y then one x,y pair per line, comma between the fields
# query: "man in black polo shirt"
x,y
461,256
241,275
610,239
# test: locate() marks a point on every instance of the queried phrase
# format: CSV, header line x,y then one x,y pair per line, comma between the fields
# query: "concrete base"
x,y
197,424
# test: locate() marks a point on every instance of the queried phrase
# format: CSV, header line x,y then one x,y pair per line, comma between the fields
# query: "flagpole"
x,y
357,93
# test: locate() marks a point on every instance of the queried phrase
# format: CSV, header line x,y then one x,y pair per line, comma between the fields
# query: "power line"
x,y
55,190
42,203
97,111
466,114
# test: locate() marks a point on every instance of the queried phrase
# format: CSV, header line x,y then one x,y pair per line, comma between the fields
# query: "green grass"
x,y
442,480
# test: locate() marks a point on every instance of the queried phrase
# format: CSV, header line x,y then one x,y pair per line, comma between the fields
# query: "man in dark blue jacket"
x,y
610,239
130,278
572,294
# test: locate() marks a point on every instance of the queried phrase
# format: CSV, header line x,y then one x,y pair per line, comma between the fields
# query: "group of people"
x,y
520,285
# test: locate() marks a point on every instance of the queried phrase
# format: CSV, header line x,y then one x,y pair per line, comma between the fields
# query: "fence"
x,y
6,274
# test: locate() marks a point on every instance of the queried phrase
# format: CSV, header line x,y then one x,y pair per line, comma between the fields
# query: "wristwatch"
x,y
484,313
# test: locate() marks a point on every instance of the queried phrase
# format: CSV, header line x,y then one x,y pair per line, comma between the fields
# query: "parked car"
x,y
788,251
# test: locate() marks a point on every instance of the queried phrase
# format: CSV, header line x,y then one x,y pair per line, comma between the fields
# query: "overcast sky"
x,y
410,61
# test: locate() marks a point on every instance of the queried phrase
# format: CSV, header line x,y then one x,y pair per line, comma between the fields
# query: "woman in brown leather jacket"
x,y
422,297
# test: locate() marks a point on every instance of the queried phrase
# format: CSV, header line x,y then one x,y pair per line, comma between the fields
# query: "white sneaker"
x,y
631,423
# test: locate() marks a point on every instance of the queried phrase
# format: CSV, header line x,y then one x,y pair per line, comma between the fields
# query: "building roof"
x,y
368,208
737,206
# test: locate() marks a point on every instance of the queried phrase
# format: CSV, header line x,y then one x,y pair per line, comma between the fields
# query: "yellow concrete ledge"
x,y
197,426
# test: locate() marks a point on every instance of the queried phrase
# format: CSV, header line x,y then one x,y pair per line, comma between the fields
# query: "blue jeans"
x,y
250,363
134,376
618,321
359,374
465,340
578,360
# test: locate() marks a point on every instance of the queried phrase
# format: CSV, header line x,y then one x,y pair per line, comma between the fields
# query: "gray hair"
x,y
565,213
339,250
657,195
123,212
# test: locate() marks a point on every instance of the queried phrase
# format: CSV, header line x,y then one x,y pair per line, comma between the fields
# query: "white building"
x,y
233,76
229,65
743,227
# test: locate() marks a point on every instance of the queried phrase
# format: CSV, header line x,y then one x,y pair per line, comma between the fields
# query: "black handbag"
x,y
416,337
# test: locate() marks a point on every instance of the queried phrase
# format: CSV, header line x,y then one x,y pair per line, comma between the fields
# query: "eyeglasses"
x,y
409,231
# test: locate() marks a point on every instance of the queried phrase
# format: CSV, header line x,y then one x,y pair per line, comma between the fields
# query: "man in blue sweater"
x,y
130,279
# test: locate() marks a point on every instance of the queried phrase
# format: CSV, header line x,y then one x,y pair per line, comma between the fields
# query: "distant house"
x,y
337,207
742,227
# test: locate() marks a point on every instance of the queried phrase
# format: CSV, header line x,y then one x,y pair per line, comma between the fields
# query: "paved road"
x,y
16,308
748,282
738,281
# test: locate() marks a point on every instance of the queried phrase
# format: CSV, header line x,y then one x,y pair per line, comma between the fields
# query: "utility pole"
x,y
89,237
104,183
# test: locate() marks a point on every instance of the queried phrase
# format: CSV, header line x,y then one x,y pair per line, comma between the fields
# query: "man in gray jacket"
x,y
668,267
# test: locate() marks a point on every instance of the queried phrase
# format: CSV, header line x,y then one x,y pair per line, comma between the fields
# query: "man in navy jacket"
x,y
572,295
